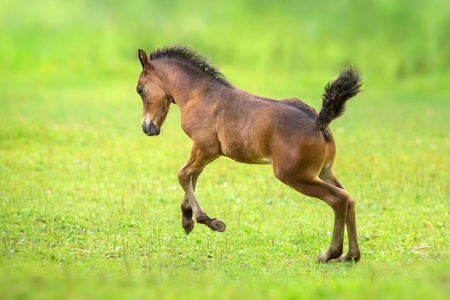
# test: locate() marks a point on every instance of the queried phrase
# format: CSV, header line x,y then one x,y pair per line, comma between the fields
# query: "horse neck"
x,y
184,83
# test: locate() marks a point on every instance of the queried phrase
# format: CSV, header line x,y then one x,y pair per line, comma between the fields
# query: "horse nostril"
x,y
145,127
152,128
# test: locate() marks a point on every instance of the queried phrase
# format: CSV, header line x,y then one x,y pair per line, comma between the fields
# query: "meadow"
x,y
89,205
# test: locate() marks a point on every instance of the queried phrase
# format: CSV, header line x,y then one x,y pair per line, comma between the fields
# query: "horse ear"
x,y
143,58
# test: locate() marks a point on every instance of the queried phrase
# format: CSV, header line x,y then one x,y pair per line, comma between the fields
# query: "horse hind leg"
x,y
335,197
353,253
327,175
353,249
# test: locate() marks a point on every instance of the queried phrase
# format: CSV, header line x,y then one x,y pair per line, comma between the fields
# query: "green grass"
x,y
89,206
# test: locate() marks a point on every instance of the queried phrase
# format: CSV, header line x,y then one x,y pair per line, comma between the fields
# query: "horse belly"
x,y
244,151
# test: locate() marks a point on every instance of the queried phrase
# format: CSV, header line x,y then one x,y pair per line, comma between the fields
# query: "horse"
x,y
223,120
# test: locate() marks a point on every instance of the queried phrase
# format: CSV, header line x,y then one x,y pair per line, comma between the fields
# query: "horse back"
x,y
255,124
302,106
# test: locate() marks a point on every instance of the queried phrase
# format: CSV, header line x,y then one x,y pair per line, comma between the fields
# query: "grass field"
x,y
89,205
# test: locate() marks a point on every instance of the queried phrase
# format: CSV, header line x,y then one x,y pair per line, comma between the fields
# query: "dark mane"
x,y
188,55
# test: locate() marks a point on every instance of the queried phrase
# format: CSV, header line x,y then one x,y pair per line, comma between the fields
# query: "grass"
x,y
89,206
99,200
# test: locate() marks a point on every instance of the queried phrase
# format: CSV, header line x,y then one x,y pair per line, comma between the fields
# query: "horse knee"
x,y
183,177
341,202
351,202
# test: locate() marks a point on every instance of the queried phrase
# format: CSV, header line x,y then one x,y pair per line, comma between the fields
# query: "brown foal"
x,y
223,120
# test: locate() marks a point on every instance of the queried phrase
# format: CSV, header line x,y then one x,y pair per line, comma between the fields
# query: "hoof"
x,y
328,255
217,225
349,257
188,226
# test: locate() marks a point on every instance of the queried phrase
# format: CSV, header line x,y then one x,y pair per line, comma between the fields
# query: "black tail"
x,y
336,94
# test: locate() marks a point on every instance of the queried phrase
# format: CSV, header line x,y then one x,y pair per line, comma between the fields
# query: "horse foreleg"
x,y
186,219
187,177
186,209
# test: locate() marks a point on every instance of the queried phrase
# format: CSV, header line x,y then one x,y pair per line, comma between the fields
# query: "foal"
x,y
223,120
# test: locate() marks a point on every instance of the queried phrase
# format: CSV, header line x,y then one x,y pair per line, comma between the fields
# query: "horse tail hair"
x,y
347,85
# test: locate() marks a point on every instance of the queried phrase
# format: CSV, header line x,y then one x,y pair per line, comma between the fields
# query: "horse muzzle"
x,y
150,129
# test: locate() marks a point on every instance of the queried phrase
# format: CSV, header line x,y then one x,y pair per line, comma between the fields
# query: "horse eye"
x,y
140,90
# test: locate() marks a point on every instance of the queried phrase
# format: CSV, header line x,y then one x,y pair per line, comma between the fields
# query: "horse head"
x,y
155,100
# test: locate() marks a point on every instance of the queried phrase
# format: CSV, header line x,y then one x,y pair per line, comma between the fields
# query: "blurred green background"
x,y
252,41
90,205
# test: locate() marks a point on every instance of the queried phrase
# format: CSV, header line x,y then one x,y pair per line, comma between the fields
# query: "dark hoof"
x,y
349,257
328,255
188,226
217,225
